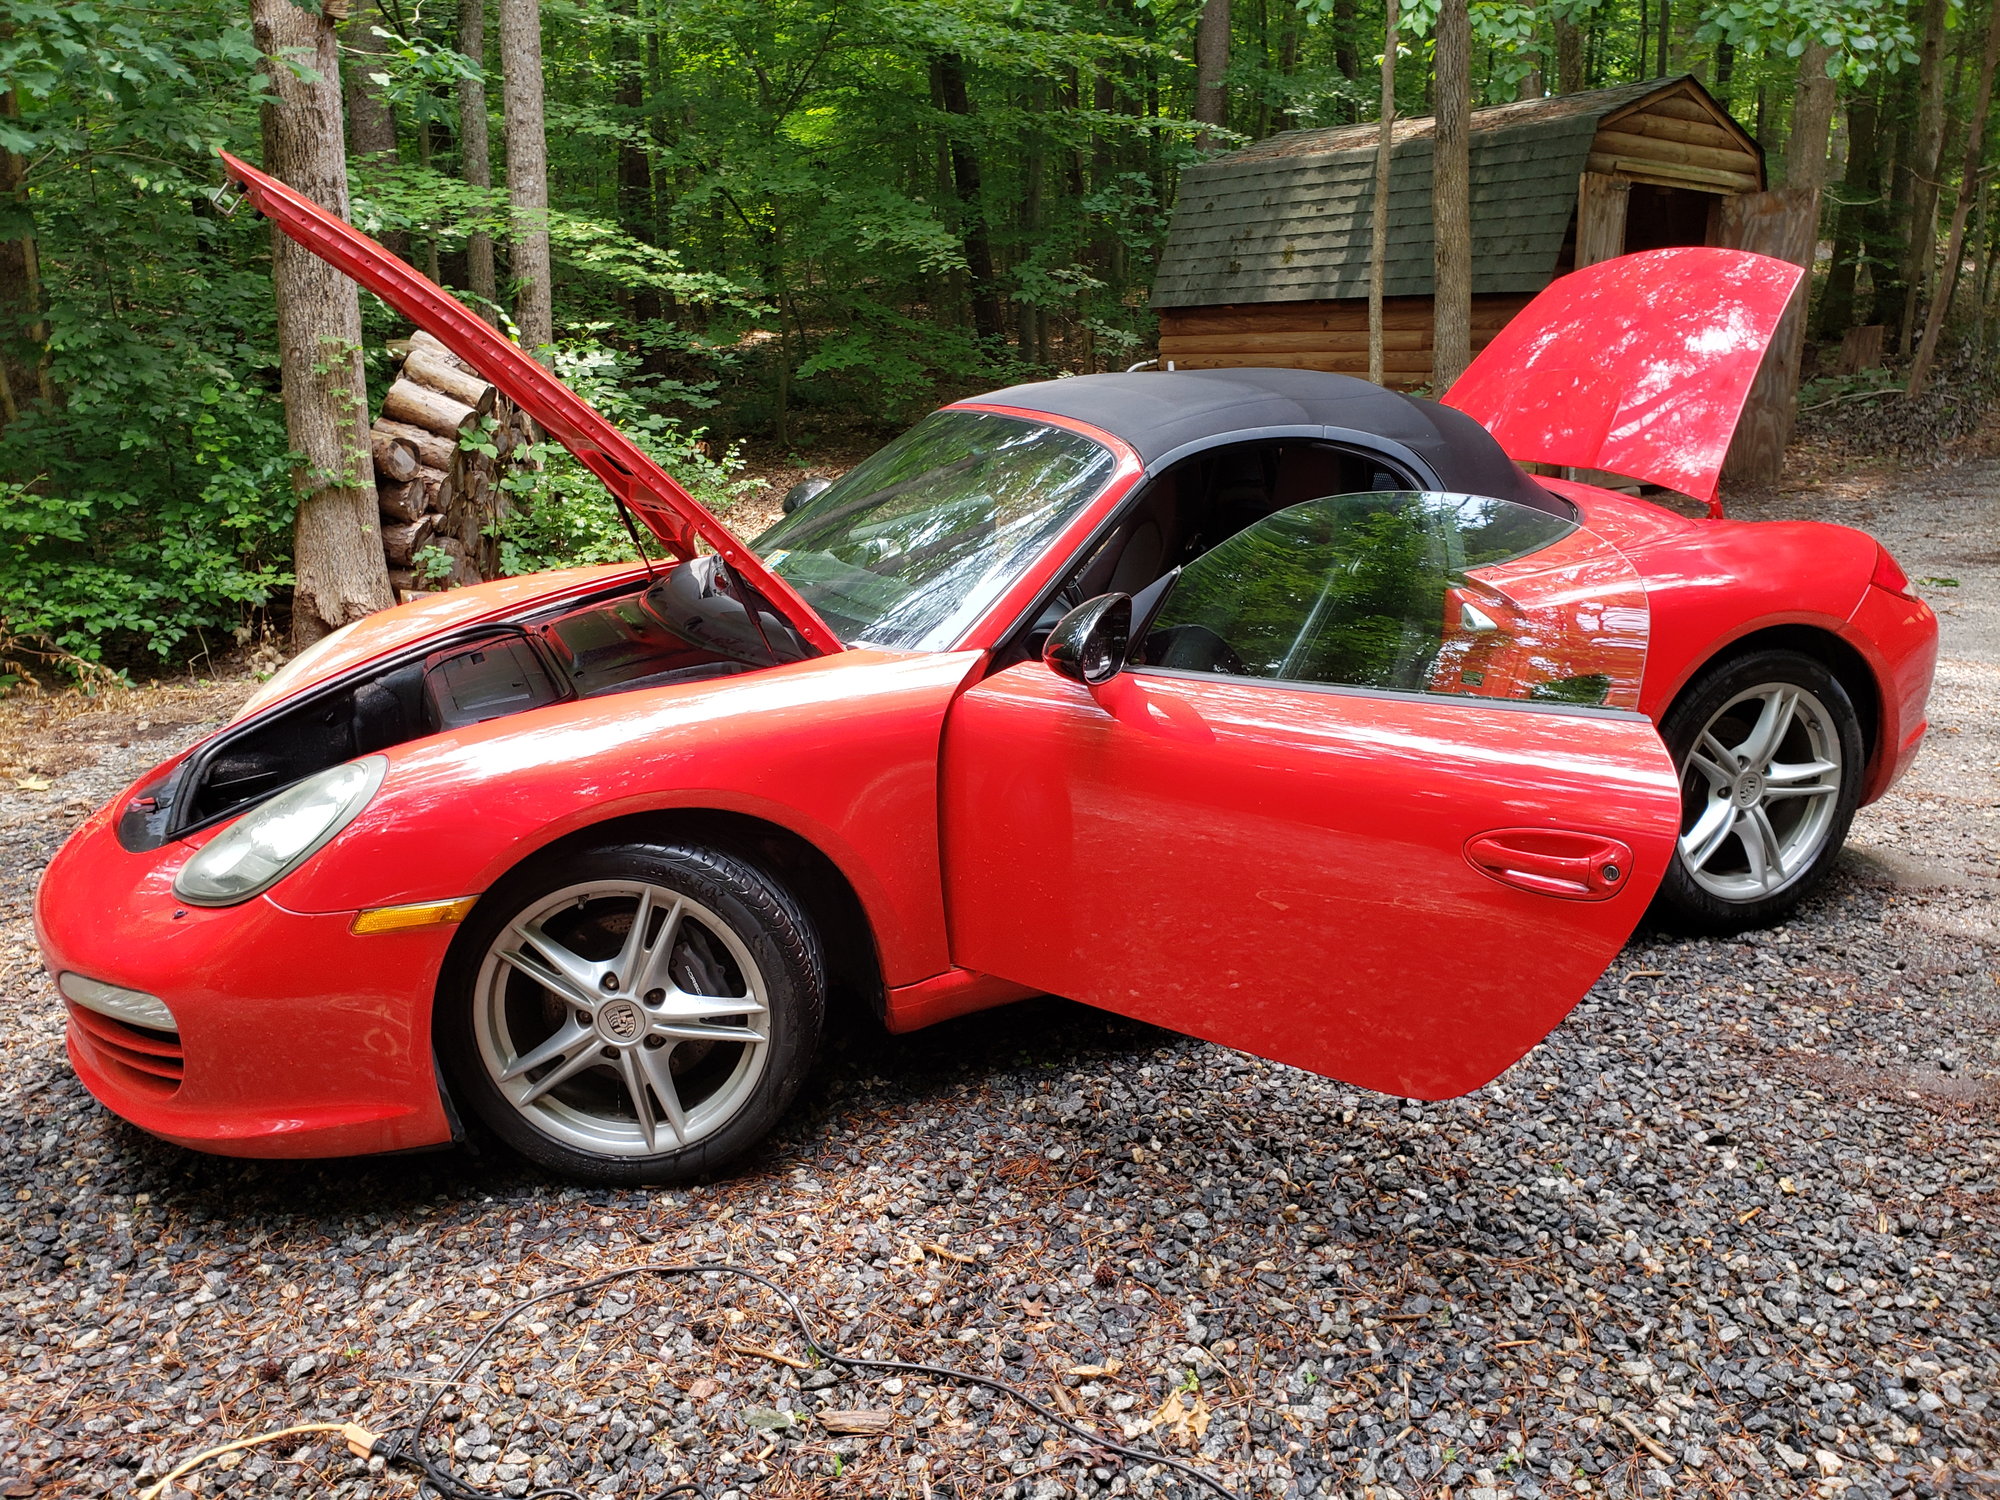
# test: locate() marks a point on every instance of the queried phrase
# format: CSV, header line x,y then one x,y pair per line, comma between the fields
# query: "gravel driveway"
x,y
1730,1230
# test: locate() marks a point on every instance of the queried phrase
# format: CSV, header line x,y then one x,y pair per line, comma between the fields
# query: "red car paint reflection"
x,y
1639,365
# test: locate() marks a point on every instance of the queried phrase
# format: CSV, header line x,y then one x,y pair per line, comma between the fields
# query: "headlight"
x,y
269,842
134,1007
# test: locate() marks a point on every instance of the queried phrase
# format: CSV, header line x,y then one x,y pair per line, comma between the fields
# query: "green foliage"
x,y
1350,589
160,540
1865,35
143,515
1343,592
560,513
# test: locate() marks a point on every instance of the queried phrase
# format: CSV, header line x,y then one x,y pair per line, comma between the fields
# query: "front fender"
x,y
841,750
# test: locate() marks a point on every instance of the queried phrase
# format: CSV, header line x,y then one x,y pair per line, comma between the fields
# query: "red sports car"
x,y
1265,705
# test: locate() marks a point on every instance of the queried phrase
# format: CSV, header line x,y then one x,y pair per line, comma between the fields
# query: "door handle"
x,y
1552,861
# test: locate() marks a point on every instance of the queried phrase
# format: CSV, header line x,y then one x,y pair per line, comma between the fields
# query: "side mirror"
x,y
805,491
1089,643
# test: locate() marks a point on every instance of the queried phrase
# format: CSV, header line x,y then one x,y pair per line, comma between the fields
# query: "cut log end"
x,y
403,540
395,458
433,411
435,451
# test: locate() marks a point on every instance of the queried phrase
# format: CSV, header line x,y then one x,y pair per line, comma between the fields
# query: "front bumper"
x,y
295,1037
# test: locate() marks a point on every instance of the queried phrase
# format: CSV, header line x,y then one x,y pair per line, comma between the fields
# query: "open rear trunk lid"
x,y
1638,365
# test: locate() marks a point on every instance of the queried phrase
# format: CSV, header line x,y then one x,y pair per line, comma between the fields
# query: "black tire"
x,y
481,995
1719,898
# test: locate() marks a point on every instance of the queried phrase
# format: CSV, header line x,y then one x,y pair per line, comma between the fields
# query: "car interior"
x,y
1188,508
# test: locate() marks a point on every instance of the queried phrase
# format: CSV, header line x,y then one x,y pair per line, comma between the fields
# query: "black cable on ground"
x,y
439,1478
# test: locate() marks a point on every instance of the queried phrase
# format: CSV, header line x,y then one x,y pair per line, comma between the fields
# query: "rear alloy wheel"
x,y
1771,757
638,1014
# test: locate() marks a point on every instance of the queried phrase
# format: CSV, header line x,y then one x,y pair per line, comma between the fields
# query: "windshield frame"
x,y
983,631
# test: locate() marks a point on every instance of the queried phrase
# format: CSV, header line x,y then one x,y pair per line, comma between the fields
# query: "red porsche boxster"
x,y
1266,705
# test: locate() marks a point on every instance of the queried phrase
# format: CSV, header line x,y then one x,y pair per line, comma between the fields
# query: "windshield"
x,y
915,543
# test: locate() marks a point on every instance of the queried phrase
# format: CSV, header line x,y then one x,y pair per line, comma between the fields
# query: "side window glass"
x,y
1413,592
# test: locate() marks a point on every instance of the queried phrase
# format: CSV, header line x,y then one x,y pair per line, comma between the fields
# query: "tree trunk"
x,y
949,72
475,153
1378,227
1782,223
371,123
1665,60
527,172
1812,121
1926,156
1988,291
1887,222
1533,84
1569,57
1033,320
337,545
1725,72
1859,186
1968,192
24,363
635,165
1289,27
1451,205
1211,64
1346,55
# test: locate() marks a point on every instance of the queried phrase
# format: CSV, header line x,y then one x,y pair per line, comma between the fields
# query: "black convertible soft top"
x,y
1163,414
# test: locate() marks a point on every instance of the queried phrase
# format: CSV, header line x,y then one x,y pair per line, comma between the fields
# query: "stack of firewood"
x,y
441,500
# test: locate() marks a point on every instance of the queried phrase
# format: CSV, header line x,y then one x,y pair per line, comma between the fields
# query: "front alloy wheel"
x,y
1770,754
635,1014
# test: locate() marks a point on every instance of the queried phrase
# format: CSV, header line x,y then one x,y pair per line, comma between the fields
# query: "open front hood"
x,y
669,512
1638,365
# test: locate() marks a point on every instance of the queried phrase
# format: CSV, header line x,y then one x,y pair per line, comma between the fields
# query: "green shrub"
x,y
148,518
562,514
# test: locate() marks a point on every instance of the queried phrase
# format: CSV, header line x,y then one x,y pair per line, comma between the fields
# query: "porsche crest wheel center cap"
x,y
621,1021
1750,789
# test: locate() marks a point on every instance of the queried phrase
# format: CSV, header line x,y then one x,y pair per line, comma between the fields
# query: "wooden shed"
x,y
1266,261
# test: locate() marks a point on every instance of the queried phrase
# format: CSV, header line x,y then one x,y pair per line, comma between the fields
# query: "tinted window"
x,y
1412,592
911,546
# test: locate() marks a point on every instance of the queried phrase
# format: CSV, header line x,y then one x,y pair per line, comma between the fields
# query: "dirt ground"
x,y
1730,1230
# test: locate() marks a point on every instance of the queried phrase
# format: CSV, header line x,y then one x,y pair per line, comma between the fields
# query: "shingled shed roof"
x,y
1287,219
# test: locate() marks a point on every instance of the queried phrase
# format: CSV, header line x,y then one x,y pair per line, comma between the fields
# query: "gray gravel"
x,y
1730,1230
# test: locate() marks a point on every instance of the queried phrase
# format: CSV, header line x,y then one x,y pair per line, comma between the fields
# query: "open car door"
x,y
1639,365
667,510
1375,798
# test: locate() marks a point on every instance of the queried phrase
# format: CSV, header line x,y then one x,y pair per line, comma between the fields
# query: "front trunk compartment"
x,y
686,625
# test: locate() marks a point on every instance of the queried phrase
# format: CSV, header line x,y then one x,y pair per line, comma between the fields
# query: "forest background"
x,y
793,224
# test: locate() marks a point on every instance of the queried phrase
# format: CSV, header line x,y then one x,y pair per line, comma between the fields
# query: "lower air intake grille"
x,y
147,1060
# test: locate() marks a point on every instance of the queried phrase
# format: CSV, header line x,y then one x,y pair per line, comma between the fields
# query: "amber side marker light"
x,y
423,914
